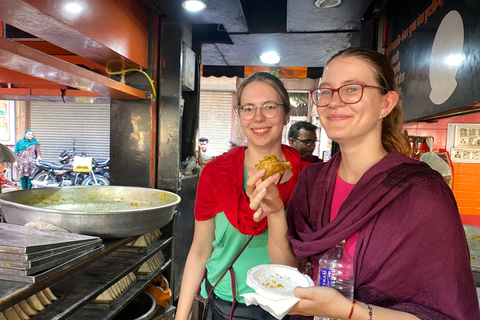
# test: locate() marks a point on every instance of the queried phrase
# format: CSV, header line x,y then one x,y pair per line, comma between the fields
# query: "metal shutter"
x,y
57,125
215,122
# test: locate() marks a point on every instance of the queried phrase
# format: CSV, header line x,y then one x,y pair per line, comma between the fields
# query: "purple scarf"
x,y
411,253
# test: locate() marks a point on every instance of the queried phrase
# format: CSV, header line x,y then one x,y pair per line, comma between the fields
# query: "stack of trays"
x,y
29,255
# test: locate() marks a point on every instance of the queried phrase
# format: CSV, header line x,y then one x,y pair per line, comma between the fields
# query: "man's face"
x,y
203,146
306,146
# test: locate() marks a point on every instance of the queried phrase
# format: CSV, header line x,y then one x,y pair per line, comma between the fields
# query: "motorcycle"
x,y
103,168
48,174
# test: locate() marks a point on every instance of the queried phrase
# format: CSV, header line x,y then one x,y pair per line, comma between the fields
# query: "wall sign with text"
x,y
433,46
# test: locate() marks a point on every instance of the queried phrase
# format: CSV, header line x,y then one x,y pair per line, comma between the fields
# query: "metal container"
x,y
103,211
473,239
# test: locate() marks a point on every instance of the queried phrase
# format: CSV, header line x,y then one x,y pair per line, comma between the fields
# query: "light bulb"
x,y
194,5
270,57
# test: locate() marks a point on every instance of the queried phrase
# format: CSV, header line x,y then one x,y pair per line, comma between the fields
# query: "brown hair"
x,y
393,137
269,79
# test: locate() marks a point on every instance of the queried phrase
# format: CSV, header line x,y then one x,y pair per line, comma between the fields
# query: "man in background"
x,y
203,155
303,137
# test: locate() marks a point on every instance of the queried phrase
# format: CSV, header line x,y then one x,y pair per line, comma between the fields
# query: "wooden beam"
x,y
103,31
17,57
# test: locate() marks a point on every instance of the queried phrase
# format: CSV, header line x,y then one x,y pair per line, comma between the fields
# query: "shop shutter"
x,y
216,118
57,125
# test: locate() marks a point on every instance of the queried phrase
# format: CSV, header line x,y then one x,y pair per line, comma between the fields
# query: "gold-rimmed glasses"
x,y
269,109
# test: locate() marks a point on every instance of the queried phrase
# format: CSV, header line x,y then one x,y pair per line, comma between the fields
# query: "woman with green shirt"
x,y
223,219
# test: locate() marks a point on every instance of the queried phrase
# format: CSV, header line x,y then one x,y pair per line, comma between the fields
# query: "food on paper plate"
x,y
272,165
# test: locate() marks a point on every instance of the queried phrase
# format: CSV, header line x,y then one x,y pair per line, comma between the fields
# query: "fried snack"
x,y
272,165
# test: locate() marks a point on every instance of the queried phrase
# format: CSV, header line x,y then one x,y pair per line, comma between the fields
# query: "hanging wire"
x,y
137,70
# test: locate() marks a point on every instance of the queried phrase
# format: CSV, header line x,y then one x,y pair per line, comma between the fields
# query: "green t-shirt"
x,y
227,244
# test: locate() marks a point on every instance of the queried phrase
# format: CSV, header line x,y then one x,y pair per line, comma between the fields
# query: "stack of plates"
x,y
29,255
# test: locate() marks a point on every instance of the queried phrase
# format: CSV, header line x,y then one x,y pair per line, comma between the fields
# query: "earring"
x,y
287,121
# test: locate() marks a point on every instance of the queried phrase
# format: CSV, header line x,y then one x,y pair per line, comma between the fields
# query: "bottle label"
x,y
325,279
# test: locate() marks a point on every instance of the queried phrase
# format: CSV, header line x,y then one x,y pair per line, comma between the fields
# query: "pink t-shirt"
x,y
341,192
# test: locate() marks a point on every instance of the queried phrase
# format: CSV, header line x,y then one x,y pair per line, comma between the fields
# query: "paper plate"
x,y
275,281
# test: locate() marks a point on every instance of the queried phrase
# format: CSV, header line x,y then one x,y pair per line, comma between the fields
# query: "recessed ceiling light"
x,y
194,5
73,7
270,57
327,3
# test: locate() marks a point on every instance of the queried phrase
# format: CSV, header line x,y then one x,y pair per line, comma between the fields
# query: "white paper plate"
x,y
276,282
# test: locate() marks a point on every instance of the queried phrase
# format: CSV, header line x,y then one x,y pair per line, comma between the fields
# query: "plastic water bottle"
x,y
335,270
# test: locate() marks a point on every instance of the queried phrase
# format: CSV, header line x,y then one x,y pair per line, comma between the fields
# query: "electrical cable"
x,y
138,70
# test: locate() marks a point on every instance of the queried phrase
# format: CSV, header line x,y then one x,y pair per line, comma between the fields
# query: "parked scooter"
x,y
48,174
102,166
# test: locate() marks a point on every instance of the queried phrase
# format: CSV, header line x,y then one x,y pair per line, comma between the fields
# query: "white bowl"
x,y
276,282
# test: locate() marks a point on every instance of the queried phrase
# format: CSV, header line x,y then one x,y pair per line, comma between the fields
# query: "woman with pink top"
x,y
399,218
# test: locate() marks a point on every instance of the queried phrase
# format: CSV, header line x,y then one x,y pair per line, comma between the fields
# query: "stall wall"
x,y
466,176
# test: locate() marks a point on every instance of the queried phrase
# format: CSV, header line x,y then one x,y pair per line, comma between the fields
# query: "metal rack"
x,y
82,283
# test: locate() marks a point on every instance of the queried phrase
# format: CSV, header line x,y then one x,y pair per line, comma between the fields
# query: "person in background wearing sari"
x,y
27,149
223,220
399,218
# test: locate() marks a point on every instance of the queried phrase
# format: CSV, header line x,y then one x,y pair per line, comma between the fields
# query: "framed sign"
x,y
7,122
463,142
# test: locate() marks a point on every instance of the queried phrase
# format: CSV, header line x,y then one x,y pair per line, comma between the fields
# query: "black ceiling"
x,y
237,32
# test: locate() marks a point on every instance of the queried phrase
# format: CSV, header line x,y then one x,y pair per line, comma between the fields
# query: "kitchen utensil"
x,y
104,211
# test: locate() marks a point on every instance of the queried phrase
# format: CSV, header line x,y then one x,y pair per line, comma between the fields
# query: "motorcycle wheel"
x,y
44,177
100,180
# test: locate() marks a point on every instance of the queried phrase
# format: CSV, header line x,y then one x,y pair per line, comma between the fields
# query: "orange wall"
x,y
466,188
466,176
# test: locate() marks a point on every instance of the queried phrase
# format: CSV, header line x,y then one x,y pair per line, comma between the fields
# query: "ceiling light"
x,y
270,57
73,7
194,5
454,59
327,3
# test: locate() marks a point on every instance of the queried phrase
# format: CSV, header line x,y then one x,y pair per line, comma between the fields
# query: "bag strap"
x,y
234,290
225,272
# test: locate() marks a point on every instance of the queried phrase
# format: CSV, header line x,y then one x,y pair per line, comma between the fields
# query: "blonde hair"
x,y
393,137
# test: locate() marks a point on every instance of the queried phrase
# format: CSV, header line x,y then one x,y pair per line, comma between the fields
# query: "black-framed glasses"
x,y
269,109
348,93
307,142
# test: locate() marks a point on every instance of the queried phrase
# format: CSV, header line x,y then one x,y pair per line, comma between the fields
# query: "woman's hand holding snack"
x,y
264,195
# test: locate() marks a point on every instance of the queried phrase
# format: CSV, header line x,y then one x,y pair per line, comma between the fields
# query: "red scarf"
x,y
221,189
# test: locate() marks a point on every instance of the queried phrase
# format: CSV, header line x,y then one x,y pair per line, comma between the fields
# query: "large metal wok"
x,y
104,211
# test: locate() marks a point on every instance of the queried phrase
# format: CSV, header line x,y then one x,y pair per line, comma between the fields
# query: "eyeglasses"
x,y
269,110
307,142
348,93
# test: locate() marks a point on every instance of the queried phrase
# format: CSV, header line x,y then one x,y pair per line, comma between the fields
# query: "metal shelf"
x,y
121,301
14,292
85,285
